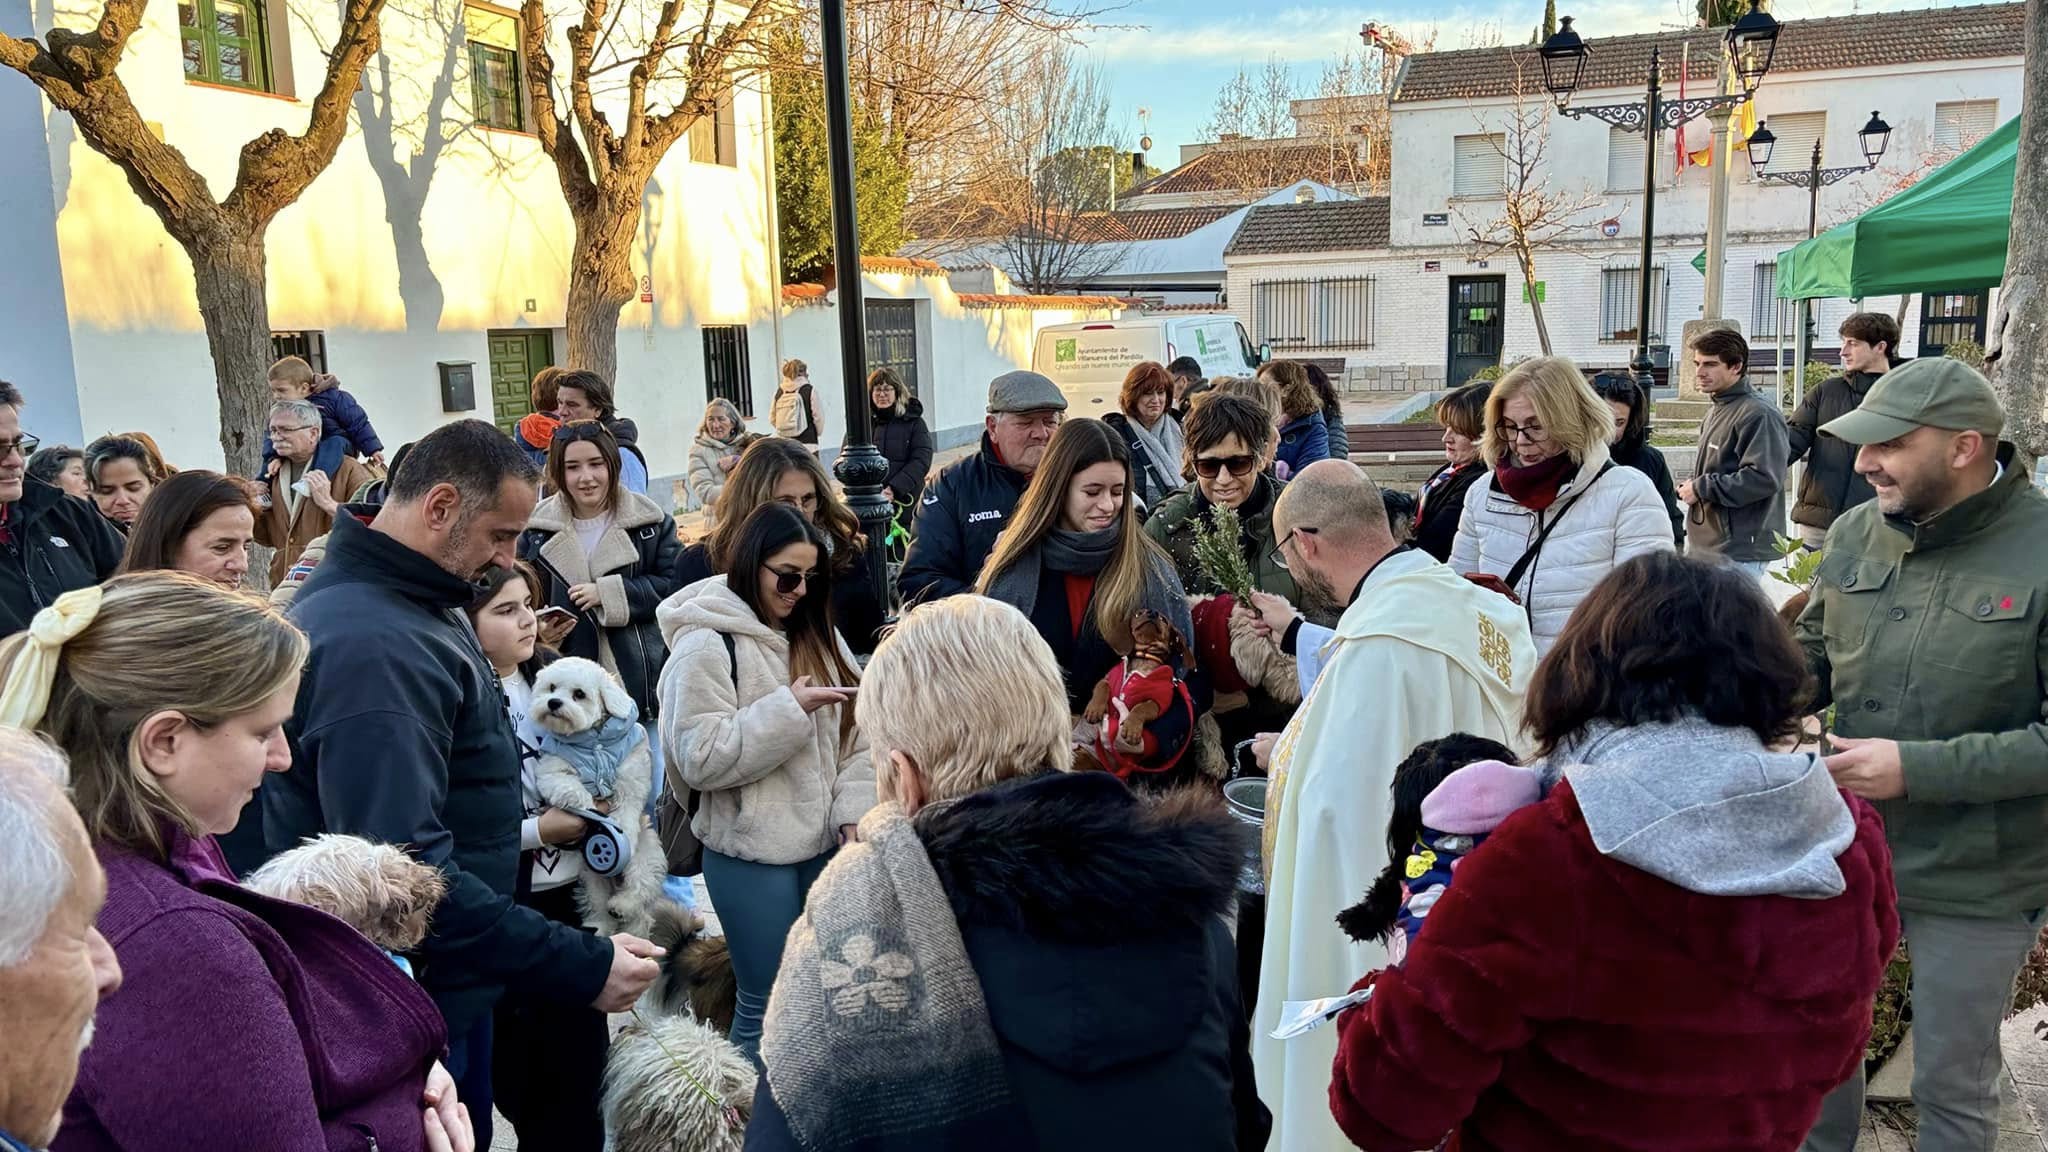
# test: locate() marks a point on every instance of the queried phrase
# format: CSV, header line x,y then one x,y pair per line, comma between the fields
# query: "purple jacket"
x,y
244,1023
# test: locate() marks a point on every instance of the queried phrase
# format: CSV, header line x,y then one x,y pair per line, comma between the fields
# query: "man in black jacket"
x,y
966,507
401,736
1831,485
50,543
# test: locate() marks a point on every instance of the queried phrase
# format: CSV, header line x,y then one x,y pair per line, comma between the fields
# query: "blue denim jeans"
x,y
756,904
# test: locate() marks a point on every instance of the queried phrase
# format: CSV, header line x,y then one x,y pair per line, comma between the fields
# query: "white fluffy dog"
x,y
594,756
673,1084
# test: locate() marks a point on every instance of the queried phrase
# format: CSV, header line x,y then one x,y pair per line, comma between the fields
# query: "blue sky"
x,y
1171,56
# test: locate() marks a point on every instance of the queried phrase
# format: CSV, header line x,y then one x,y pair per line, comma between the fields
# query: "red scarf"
x,y
1535,486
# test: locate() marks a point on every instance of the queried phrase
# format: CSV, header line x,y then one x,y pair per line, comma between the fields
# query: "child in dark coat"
x,y
344,427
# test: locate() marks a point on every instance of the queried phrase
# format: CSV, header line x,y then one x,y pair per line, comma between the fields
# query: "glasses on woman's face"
x,y
1207,467
787,581
1516,433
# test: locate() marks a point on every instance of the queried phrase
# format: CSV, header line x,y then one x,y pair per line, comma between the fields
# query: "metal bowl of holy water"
x,y
1246,797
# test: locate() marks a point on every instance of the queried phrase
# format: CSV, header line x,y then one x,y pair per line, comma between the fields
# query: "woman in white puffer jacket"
x,y
757,712
1546,441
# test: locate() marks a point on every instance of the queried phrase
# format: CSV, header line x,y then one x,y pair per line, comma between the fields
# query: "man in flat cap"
x,y
968,505
1928,632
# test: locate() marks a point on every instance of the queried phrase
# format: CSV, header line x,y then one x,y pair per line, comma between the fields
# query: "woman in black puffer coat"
x,y
903,437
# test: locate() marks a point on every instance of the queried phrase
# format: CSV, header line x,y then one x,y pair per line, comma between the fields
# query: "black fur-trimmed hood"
x,y
1079,858
1093,917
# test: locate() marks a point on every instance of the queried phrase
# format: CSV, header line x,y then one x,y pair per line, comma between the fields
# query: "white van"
x,y
1088,358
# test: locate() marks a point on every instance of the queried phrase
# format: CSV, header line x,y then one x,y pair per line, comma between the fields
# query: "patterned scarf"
x,y
877,1030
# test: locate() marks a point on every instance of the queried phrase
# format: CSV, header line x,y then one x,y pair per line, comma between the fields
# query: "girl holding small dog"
x,y
1074,560
241,1015
608,555
547,1056
757,711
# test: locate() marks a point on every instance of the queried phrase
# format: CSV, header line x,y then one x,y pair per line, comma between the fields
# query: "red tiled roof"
x,y
995,300
1223,169
1871,40
1155,223
1323,226
901,264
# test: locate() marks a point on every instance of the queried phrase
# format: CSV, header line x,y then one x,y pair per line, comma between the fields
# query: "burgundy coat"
x,y
1558,999
244,1022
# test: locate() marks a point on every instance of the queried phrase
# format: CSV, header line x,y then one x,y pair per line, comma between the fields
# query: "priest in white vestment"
x,y
1419,654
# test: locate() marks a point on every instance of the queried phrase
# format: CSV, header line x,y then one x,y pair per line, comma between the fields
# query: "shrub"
x,y
1968,351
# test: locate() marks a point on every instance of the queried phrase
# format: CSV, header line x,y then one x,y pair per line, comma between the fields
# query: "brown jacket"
x,y
277,528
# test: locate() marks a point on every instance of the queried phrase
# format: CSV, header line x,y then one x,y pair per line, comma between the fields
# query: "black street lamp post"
x,y
1873,136
1751,40
861,468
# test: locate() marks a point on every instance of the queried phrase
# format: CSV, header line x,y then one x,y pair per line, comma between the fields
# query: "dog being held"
x,y
374,888
594,756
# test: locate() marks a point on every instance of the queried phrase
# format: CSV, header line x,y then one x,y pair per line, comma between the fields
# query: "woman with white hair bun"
x,y
1011,955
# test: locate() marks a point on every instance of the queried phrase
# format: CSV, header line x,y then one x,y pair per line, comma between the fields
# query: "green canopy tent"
x,y
1946,233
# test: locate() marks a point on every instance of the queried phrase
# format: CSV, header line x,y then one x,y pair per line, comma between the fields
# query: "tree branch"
x,y
275,167
556,139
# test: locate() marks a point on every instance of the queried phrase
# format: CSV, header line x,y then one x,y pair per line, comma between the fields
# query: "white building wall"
x,y
496,239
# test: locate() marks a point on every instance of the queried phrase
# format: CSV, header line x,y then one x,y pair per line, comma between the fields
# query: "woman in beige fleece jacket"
x,y
757,714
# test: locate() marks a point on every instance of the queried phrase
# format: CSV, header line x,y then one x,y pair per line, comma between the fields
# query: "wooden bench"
x,y
1384,438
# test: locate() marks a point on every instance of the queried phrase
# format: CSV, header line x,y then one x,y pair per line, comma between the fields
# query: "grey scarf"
x,y
1164,467
1086,554
877,1029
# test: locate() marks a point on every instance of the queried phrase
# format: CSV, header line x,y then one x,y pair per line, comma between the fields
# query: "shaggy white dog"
x,y
673,1084
594,756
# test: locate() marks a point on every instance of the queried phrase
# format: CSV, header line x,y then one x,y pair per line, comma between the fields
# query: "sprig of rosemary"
x,y
1218,553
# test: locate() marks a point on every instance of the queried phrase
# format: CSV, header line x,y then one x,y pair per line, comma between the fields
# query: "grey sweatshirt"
x,y
1710,809
1739,478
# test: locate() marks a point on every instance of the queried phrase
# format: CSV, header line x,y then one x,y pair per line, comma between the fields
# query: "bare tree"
x,y
2019,335
1533,214
224,237
604,170
1342,138
1047,243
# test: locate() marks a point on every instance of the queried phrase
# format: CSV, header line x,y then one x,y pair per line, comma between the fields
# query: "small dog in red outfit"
x,y
1139,690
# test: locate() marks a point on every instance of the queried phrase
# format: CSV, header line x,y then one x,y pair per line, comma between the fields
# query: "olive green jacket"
x,y
1172,526
1936,635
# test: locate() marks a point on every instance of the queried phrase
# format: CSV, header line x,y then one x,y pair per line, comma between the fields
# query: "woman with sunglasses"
x,y
608,557
1630,445
758,717
1230,442
1556,515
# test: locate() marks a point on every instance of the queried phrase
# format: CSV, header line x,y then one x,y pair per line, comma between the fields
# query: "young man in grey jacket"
x,y
1736,498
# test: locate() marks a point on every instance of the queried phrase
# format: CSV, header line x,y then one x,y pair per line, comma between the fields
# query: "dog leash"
x,y
731,1113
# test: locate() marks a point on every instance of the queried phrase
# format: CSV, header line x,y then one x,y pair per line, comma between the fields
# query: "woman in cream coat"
x,y
757,712
1546,441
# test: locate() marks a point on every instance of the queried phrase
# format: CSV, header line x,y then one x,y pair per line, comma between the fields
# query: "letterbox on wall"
x,y
458,385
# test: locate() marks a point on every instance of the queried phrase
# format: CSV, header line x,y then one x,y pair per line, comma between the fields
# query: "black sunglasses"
x,y
1208,466
787,582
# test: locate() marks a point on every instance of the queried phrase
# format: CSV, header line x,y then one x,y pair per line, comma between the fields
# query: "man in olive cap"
x,y
1928,631
967,506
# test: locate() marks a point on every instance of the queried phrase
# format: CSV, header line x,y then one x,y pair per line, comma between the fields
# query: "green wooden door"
x,y
515,356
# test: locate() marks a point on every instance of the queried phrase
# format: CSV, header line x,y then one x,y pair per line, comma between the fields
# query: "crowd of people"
x,y
1529,743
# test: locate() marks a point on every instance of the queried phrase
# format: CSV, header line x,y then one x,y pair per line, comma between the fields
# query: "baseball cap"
x,y
1025,391
1934,392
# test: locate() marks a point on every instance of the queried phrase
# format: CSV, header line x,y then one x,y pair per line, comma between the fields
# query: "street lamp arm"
x,y
1670,113
1805,177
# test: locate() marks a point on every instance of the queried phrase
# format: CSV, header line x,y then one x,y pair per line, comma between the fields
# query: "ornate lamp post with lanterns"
x,y
1751,43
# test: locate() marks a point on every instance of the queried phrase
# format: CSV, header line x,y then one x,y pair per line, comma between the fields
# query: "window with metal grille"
x,y
1332,313
1479,165
1620,294
308,346
726,372
892,339
714,139
497,93
1768,315
1796,132
1946,318
1958,124
225,42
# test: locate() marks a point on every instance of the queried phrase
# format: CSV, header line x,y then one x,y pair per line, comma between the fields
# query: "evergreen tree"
x,y
1549,18
803,180
1720,13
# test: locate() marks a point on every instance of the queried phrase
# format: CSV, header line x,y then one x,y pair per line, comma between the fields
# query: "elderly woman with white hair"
x,y
721,437
1010,955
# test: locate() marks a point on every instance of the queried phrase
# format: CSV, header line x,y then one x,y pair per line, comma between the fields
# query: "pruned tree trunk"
x,y
227,270
601,283
2019,337
1527,259
222,237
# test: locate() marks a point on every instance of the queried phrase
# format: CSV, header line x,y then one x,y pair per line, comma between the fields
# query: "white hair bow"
x,y
27,691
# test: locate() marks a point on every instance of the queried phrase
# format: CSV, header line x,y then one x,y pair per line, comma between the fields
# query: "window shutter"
x,y
1961,123
1624,161
1478,167
1796,132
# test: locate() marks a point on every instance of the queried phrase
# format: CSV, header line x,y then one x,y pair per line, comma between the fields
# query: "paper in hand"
x,y
1299,1016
